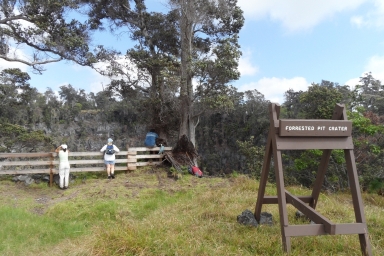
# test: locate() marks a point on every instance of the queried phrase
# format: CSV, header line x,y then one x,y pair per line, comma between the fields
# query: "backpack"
x,y
194,170
109,150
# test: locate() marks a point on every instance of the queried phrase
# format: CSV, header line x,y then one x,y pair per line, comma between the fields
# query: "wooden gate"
x,y
325,135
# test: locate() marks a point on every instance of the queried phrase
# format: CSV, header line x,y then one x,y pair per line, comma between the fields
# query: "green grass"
x,y
22,230
148,213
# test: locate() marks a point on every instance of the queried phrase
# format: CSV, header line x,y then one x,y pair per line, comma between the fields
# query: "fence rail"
x,y
14,163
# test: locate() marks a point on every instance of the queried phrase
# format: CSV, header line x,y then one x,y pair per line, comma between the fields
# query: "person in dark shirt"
x,y
150,138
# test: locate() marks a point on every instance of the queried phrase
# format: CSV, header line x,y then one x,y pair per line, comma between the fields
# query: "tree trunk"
x,y
187,125
184,116
192,127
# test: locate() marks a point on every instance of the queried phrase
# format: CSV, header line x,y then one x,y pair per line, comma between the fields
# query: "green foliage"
x,y
16,97
375,149
173,170
305,166
319,101
51,37
178,173
217,138
77,109
210,55
155,55
184,169
14,76
309,159
220,101
235,174
367,138
363,124
16,137
253,156
370,94
376,185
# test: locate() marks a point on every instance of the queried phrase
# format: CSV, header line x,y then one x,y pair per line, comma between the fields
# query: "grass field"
x,y
148,213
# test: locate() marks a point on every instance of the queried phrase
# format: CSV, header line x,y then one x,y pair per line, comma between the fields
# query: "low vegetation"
x,y
149,212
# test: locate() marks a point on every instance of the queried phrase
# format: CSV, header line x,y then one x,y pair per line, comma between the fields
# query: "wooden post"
x,y
51,171
132,160
126,171
311,134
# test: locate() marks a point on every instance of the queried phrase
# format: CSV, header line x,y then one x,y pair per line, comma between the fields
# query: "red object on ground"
x,y
197,172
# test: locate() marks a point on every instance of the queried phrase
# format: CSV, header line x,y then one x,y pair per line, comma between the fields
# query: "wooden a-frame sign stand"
x,y
287,134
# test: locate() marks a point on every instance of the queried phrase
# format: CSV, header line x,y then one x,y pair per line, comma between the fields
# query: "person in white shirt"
x,y
62,151
109,157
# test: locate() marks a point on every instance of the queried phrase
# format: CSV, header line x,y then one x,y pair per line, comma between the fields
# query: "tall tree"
x,y
49,103
371,94
16,96
292,105
46,31
151,65
201,35
319,101
209,51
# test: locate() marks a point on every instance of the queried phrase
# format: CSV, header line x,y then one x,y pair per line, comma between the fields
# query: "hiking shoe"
x,y
65,187
109,177
62,188
112,175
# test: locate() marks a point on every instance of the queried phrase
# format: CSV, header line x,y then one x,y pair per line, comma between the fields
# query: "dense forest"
x,y
177,80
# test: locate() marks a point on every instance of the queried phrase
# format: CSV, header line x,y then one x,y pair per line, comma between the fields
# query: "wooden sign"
x,y
325,135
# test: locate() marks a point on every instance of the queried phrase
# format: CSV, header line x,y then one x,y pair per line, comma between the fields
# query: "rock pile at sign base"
x,y
248,218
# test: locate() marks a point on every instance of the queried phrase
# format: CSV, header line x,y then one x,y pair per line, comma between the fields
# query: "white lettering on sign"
x,y
338,128
299,128
312,128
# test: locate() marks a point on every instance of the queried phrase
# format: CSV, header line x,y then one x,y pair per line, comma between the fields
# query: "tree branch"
x,y
17,17
29,63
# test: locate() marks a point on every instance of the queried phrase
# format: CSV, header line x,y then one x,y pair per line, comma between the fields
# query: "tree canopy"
x,y
46,31
194,40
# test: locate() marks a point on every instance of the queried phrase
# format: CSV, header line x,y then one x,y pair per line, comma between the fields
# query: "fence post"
x,y
51,171
132,160
127,159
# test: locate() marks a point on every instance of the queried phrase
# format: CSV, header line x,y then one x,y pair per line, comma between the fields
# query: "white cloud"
x,y
352,82
246,68
358,21
297,14
99,83
95,82
374,18
376,66
274,88
14,53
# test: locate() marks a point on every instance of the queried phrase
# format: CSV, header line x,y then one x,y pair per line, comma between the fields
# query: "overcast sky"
x,y
286,45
